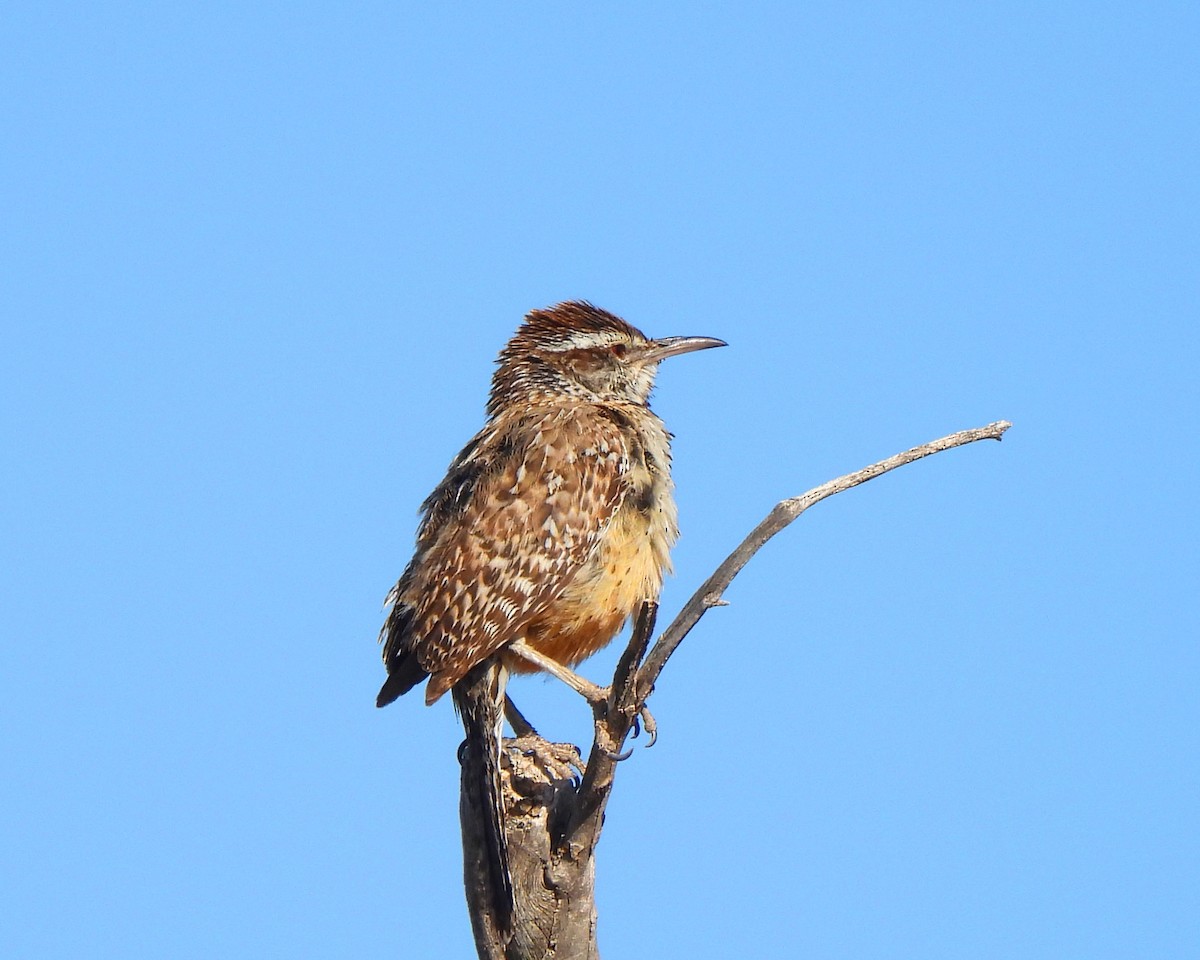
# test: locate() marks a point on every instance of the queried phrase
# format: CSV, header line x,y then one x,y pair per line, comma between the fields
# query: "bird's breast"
x,y
626,568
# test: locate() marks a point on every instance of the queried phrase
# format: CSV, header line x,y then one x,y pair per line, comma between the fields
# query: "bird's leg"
x,y
516,719
590,692
595,695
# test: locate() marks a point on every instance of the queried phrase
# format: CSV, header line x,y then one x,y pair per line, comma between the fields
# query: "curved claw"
x,y
646,719
651,726
618,757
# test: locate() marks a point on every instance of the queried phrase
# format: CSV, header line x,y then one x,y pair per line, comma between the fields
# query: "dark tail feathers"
x,y
479,698
404,673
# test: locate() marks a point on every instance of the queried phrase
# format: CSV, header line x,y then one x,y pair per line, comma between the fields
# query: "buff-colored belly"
x,y
626,569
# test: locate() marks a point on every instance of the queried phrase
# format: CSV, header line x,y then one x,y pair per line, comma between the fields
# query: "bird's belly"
x,y
626,569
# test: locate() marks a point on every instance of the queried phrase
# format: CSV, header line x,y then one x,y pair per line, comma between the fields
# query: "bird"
x,y
551,527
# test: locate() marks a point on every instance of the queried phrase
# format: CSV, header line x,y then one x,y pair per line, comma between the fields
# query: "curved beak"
x,y
657,350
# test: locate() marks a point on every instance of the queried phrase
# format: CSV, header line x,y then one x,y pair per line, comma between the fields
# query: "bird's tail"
x,y
479,699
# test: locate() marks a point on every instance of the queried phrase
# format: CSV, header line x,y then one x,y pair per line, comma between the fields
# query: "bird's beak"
x,y
657,350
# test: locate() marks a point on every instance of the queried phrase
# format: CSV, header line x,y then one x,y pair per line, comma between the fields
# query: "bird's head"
x,y
574,349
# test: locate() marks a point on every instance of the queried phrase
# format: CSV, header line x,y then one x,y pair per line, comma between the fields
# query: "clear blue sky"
x,y
257,260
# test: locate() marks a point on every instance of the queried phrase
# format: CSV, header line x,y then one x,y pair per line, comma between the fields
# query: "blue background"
x,y
256,262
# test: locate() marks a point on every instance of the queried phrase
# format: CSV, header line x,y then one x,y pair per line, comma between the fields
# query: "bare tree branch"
x,y
710,593
613,721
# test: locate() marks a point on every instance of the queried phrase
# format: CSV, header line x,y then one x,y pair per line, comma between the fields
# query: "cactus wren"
x,y
550,528
555,521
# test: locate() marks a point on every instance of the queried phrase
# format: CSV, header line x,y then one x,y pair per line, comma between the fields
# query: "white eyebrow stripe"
x,y
582,339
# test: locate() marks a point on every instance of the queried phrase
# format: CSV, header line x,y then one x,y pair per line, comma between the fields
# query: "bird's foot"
x,y
559,761
645,720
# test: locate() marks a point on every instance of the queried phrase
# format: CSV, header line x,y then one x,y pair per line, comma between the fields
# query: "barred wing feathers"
x,y
521,511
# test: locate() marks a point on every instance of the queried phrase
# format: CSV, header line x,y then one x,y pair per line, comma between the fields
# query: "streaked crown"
x,y
575,349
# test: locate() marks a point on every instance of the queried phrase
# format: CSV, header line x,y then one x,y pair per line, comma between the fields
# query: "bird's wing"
x,y
522,510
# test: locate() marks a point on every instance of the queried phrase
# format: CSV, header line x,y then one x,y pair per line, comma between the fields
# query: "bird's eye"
x,y
618,350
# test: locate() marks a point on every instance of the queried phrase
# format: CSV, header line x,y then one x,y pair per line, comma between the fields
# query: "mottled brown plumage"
x,y
556,519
